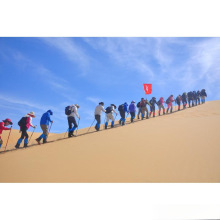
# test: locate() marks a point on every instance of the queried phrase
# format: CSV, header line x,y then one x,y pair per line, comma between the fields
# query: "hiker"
x,y
71,111
184,99
190,98
24,124
122,109
169,103
44,123
203,95
195,97
4,123
139,109
132,110
198,96
109,115
178,101
144,109
160,105
98,111
152,107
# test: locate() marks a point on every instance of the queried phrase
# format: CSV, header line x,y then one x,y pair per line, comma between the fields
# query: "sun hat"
x,y
32,114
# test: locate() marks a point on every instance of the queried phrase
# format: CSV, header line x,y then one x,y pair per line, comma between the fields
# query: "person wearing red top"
x,y
160,105
5,122
169,102
24,124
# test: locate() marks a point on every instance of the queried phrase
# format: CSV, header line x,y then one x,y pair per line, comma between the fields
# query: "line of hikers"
x,y
124,109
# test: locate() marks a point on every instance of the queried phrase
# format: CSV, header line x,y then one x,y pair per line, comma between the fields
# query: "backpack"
x,y
138,105
68,110
22,122
158,103
108,110
121,108
168,101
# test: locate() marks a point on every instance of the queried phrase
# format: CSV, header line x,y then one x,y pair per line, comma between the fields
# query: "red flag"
x,y
147,88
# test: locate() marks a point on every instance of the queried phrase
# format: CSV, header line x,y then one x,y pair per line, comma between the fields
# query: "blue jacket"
x,y
125,107
45,119
132,107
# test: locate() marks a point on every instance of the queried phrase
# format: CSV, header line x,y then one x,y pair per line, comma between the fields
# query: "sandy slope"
x,y
179,147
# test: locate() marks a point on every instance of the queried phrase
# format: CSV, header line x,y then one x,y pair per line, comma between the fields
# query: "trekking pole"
x,y
49,130
66,132
31,135
8,138
90,126
77,127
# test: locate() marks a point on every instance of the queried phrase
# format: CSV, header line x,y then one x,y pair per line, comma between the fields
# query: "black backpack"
x,y
108,110
22,122
168,101
68,110
121,108
138,105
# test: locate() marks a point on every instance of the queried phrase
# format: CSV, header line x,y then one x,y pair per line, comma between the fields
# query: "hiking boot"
x,y
17,145
164,113
106,127
112,126
44,141
147,117
154,116
38,140
25,145
120,122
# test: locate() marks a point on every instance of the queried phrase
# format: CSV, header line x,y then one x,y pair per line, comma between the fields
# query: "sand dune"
x,y
179,147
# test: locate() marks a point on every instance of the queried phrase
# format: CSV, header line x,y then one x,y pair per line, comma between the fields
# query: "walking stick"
x,y
90,126
32,134
77,127
8,138
49,129
66,132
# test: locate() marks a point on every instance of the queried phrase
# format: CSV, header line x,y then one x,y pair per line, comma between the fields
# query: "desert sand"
x,y
180,147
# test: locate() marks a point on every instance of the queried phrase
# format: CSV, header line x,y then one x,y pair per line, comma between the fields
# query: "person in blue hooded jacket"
x,y
44,124
122,109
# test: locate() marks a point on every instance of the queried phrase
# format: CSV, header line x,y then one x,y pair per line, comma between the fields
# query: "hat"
x,y
132,101
51,113
114,106
32,114
77,105
101,103
8,120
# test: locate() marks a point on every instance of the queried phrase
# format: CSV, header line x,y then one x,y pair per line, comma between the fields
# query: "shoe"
x,y
38,140
120,122
17,146
154,116
106,127
44,141
112,126
147,117
25,145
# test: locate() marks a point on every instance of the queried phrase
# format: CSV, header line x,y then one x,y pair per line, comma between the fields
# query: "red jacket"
x,y
161,101
2,127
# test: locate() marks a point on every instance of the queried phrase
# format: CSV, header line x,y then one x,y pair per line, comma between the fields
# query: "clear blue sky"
x,y
38,74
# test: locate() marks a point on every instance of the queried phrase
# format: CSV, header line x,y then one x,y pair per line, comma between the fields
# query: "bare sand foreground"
x,y
179,147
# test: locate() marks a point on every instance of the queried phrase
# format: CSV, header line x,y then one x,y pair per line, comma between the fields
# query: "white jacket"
x,y
73,112
99,109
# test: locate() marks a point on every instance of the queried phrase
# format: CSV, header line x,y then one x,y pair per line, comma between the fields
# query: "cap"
x,y
101,103
77,105
8,120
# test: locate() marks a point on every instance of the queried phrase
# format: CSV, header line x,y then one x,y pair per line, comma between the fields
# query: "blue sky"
x,y
38,74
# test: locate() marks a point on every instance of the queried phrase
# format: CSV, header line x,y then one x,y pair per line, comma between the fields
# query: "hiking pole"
x,y
8,138
66,132
32,134
77,127
90,126
49,129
